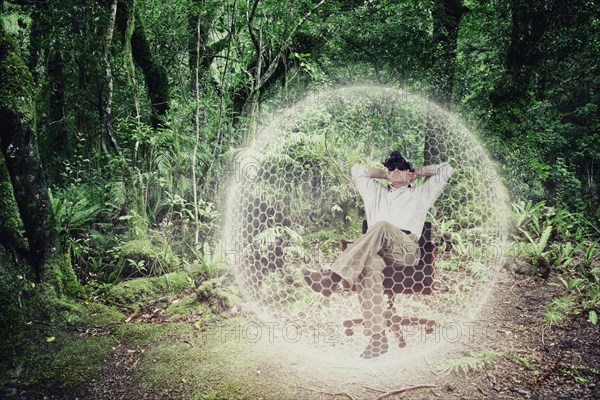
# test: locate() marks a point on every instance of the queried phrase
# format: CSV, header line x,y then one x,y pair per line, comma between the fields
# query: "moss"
x,y
210,365
188,305
59,274
91,313
67,361
147,257
15,79
217,295
142,333
141,290
10,220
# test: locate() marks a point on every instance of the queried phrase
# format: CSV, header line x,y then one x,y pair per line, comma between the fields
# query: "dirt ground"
x,y
180,360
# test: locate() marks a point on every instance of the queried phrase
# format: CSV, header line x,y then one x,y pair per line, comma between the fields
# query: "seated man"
x,y
395,215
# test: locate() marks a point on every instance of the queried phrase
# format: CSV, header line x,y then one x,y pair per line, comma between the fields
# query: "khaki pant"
x,y
363,262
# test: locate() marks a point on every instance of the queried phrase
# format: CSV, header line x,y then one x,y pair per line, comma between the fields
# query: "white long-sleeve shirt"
x,y
405,207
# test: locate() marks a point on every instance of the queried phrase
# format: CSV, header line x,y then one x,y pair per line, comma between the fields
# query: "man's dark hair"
x,y
395,160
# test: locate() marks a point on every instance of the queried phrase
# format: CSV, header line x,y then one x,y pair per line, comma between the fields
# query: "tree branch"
x,y
273,65
250,19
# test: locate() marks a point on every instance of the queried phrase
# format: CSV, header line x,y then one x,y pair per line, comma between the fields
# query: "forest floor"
x,y
149,356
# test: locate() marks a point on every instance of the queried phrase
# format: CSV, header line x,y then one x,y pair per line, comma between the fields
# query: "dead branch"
x,y
328,393
403,390
374,390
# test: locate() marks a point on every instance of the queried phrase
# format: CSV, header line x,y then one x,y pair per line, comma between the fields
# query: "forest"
x,y
122,123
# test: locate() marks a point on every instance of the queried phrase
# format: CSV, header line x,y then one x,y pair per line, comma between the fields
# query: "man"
x,y
395,213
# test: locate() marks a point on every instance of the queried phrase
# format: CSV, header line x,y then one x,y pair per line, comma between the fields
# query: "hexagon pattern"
x,y
291,202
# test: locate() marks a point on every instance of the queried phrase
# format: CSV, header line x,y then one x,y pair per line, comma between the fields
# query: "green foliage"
x,y
471,362
557,311
525,361
75,215
593,317
145,257
580,373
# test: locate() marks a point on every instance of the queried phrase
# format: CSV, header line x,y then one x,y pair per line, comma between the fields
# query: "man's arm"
x,y
433,186
377,173
426,170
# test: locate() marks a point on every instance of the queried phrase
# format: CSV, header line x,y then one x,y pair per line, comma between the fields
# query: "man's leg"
x,y
381,238
352,261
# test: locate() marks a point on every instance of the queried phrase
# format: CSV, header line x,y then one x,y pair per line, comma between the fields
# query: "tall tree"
x,y
446,22
446,16
155,75
18,145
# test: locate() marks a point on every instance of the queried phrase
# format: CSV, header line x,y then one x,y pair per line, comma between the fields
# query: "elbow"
x,y
358,171
445,169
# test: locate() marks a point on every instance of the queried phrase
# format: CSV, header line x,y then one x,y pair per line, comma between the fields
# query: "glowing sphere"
x,y
291,201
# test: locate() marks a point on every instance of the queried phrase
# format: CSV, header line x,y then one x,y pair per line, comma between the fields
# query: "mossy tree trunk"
x,y
19,148
19,151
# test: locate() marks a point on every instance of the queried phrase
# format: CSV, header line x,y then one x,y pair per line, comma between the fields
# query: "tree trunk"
x,y
529,22
446,21
54,138
19,148
107,114
155,75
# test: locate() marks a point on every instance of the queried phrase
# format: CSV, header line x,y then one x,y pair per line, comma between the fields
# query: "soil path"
x,y
534,361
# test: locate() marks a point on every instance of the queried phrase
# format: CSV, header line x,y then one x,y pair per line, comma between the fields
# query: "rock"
x,y
520,266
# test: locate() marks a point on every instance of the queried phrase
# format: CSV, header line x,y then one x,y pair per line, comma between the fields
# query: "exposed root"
x,y
402,390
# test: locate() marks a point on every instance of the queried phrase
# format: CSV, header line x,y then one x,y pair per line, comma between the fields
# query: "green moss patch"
x,y
214,364
217,294
188,305
59,274
138,291
143,333
91,313
146,257
67,360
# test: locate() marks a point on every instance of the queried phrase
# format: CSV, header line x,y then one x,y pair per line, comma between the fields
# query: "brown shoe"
x,y
322,282
376,347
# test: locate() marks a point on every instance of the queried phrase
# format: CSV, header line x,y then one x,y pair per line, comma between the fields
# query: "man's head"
x,y
399,171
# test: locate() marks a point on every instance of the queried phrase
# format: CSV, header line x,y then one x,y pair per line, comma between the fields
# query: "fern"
x,y
471,362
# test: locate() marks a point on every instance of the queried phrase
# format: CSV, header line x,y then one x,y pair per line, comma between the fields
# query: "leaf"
x,y
593,317
50,339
